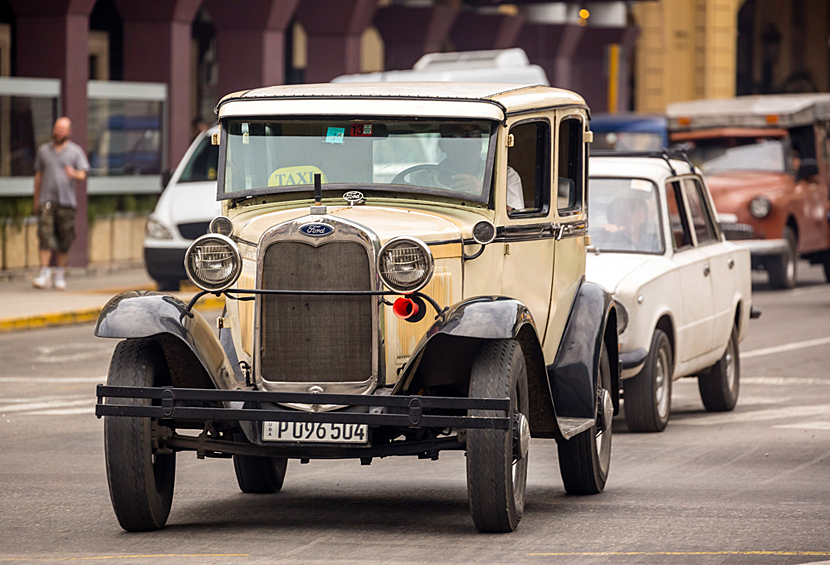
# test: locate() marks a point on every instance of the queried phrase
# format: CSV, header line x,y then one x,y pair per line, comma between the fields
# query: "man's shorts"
x,y
56,227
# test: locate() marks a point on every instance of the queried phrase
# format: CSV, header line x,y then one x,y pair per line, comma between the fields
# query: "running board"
x,y
573,426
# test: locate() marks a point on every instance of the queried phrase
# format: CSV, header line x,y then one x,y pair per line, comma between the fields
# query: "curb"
x,y
82,316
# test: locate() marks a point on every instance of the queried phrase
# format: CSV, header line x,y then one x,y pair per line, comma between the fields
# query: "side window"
x,y
701,219
528,170
571,168
681,236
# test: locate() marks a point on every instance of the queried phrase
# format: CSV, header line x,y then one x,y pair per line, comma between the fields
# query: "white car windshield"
x,y
623,215
736,154
446,158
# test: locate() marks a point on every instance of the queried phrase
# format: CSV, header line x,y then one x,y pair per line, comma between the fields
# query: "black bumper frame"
x,y
406,411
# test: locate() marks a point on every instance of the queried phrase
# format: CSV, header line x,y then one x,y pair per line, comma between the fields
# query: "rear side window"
x,y
681,236
571,169
701,220
203,163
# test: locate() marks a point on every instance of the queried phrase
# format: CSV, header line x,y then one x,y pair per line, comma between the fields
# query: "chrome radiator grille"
x,y
316,338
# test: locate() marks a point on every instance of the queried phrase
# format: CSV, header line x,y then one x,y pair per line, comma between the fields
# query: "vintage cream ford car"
x,y
402,276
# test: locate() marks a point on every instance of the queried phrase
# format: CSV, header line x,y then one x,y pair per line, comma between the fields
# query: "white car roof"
x,y
652,168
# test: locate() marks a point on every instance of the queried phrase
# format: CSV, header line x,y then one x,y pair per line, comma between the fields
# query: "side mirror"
x,y
807,169
165,178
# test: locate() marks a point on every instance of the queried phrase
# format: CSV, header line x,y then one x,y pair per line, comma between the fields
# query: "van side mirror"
x,y
807,169
165,178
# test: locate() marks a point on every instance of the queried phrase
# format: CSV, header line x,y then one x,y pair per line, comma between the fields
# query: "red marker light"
x,y
404,308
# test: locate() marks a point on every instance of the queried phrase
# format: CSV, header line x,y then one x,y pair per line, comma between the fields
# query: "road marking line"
x,y
775,381
681,553
50,397
42,405
786,347
823,426
61,412
29,559
53,379
756,415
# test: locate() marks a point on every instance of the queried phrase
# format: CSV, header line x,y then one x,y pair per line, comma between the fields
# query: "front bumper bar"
x,y
396,411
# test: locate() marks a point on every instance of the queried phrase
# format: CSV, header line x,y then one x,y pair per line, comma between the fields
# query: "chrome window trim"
x,y
344,231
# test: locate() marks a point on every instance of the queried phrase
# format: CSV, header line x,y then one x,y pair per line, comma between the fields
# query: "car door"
x,y
721,263
528,239
695,320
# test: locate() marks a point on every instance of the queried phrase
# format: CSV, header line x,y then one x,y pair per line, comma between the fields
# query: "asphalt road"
x,y
750,486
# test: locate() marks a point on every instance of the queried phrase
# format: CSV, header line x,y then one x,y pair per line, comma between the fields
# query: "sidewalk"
x,y
24,307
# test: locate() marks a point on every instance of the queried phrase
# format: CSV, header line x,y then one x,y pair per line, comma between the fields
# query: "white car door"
x,y
695,321
720,261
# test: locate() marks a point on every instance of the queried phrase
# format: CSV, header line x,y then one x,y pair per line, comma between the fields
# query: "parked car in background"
x,y
682,291
444,308
631,132
184,210
767,161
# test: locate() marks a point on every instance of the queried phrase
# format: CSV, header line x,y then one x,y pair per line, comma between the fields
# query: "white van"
x,y
497,65
183,212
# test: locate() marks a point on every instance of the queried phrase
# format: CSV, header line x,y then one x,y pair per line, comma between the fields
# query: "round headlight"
x,y
221,225
484,232
760,207
213,262
405,264
622,318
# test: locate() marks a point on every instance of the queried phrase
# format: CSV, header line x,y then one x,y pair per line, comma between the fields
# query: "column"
x,y
334,28
552,47
475,31
157,49
590,64
52,42
250,42
411,31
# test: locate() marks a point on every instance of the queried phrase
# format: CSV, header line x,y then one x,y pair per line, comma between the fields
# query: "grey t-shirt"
x,y
55,185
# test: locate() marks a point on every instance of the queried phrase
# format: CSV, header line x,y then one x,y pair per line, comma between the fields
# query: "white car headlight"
x,y
213,262
405,264
622,318
157,230
760,207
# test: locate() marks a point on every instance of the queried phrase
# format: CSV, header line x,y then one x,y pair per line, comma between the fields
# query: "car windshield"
x,y
446,158
203,163
736,154
628,140
623,215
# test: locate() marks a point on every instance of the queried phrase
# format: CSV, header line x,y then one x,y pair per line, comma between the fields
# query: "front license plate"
x,y
314,432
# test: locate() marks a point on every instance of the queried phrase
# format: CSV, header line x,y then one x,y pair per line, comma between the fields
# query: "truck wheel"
x,y
140,479
782,271
719,387
259,475
497,459
648,395
585,458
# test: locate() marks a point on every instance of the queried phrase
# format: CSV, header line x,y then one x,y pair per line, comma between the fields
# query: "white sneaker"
x,y
60,282
44,280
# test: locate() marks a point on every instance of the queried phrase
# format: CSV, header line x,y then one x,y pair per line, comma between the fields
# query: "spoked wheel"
x,y
719,387
782,271
259,475
648,395
140,478
584,459
497,459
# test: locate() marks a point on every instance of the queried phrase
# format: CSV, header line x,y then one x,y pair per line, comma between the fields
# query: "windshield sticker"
x,y
640,184
361,130
293,176
335,135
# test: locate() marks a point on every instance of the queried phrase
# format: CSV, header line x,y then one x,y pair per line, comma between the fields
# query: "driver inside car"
x,y
628,225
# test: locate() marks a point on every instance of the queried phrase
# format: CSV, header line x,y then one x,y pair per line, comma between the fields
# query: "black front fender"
x,y
141,314
574,371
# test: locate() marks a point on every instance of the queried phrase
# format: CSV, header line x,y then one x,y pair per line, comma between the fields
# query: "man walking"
x,y
58,165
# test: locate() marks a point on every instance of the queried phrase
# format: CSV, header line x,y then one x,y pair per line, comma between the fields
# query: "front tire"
x,y
496,479
584,459
140,479
720,386
782,272
648,395
259,475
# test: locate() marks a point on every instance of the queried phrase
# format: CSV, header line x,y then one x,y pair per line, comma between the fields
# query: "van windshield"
x,y
203,163
445,158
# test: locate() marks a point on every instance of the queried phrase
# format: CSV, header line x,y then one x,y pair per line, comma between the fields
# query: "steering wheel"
x,y
399,178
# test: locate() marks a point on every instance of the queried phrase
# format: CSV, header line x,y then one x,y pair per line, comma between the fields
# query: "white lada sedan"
x,y
682,290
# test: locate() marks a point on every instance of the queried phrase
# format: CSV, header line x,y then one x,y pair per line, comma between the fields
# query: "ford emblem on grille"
x,y
316,230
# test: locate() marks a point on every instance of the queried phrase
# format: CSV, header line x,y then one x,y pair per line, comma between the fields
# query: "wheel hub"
x,y
605,410
521,436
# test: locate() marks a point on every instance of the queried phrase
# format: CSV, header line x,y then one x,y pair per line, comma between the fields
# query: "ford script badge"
x,y
316,230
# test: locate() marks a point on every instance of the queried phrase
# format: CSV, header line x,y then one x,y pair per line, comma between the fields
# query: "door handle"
x,y
706,271
730,262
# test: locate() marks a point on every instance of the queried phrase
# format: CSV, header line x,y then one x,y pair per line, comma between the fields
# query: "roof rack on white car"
x,y
665,154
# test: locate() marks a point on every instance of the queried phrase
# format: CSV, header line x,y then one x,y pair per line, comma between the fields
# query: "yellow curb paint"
x,y
83,316
682,553
30,559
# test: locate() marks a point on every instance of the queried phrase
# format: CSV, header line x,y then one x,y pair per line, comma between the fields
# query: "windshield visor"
x,y
623,216
445,158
